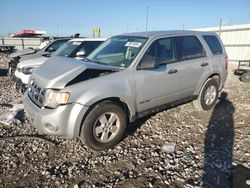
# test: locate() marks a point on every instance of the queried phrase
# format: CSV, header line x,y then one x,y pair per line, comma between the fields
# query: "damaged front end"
x,y
53,97
51,88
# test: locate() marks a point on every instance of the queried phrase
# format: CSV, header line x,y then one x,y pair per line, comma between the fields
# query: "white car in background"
x,y
77,48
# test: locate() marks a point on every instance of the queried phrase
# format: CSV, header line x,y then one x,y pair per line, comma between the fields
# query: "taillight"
x,y
226,62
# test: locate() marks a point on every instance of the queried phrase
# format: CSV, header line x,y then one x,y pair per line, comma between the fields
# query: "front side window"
x,y
190,47
118,51
213,44
163,50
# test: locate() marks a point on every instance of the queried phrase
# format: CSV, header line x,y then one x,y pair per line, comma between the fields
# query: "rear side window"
x,y
213,44
190,47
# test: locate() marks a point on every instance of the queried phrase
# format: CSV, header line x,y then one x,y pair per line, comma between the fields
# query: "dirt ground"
x,y
208,147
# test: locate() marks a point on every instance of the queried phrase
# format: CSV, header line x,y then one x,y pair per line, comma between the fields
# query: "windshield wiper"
x,y
97,62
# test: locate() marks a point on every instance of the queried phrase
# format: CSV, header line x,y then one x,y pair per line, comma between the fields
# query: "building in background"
x,y
28,33
236,39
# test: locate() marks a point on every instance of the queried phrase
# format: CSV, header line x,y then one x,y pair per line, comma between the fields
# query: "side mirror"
x,y
46,54
80,54
148,62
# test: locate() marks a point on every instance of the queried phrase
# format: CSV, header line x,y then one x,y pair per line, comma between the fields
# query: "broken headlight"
x,y
54,98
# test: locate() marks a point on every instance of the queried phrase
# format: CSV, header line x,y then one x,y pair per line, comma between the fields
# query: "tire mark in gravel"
x,y
32,137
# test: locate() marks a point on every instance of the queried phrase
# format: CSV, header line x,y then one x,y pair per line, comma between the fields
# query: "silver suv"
x,y
127,77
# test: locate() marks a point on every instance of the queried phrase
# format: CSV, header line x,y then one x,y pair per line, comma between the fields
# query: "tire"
x,y
104,127
245,77
239,72
207,96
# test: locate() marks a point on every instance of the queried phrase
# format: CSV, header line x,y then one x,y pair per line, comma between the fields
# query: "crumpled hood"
x,y
34,62
22,52
58,71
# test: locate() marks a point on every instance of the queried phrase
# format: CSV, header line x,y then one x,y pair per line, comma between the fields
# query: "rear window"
x,y
191,47
213,44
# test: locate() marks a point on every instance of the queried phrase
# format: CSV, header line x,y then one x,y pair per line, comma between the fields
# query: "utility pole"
x,y
220,26
77,25
57,30
147,19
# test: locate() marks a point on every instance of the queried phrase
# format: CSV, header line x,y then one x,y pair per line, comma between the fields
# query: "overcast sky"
x,y
66,17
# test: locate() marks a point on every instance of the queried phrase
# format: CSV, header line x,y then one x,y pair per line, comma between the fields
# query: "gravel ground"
x,y
207,147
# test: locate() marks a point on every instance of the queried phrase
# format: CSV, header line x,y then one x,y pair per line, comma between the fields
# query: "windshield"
x,y
71,48
118,51
68,48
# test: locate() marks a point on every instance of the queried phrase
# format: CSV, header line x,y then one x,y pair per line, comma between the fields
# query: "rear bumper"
x,y
223,80
64,121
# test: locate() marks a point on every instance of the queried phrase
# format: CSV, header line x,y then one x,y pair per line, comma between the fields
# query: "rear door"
x,y
195,64
218,55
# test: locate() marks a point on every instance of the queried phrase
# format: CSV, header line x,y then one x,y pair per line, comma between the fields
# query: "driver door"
x,y
158,86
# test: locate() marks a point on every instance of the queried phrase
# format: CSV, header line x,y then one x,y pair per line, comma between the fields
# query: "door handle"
x,y
204,64
172,71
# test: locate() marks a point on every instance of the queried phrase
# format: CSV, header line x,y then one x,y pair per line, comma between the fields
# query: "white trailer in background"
x,y
236,39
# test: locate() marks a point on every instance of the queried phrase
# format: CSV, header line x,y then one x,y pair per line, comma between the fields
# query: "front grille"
x,y
36,94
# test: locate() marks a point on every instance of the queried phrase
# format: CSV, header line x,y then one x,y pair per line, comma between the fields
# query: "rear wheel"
x,y
104,126
245,77
239,72
208,95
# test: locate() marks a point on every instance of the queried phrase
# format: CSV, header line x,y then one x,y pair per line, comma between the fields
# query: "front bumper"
x,y
66,119
19,85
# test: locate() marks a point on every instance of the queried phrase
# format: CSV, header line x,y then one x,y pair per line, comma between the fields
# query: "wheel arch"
x,y
116,100
215,76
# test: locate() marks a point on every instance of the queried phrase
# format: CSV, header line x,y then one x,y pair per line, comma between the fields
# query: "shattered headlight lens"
x,y
54,98
27,70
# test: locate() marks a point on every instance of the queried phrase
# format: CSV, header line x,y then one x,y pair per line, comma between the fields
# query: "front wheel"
x,y
208,95
104,126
